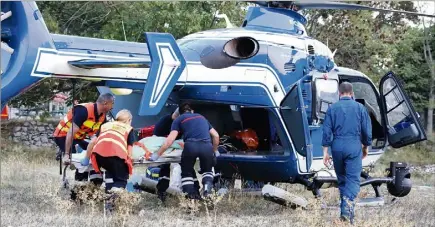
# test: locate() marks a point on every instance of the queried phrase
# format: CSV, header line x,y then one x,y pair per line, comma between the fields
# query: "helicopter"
x,y
269,68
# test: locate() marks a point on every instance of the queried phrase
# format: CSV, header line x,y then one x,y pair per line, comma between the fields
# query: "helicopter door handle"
x,y
286,108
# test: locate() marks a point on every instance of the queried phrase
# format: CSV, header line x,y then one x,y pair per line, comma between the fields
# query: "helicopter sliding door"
x,y
295,118
404,127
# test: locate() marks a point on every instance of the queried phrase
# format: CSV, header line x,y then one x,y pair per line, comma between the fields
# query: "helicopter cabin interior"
x,y
243,131
257,131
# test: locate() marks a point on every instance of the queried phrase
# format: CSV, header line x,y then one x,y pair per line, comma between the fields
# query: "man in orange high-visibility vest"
x,y
88,118
112,150
85,121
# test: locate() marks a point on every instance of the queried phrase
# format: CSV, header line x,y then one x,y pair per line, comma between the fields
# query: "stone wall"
x,y
31,133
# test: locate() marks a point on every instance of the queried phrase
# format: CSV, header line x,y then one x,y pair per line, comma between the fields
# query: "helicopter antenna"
x,y
214,18
333,53
227,21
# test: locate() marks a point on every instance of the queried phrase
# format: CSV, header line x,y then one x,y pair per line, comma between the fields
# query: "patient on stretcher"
x,y
147,146
141,149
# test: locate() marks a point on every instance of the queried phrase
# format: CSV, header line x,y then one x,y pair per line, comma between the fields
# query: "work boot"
x,y
347,209
192,206
162,196
344,218
208,196
110,203
58,154
208,201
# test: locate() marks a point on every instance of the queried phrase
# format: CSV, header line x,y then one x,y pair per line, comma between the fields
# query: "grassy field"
x,y
31,195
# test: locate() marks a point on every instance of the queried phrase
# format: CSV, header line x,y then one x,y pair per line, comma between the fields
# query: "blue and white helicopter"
x,y
268,75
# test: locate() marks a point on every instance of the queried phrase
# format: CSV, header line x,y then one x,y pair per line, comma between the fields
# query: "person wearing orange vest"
x,y
85,121
112,150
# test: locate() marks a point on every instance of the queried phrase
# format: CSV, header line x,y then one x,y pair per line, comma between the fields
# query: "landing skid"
x,y
283,197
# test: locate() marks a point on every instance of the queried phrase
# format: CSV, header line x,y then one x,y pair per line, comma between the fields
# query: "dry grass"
x,y
31,195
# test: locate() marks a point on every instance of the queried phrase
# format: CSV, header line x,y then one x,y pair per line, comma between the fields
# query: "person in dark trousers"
x,y
347,130
200,141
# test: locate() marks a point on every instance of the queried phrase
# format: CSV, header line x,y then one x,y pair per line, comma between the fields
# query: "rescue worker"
x,y
163,128
112,150
87,120
200,140
347,130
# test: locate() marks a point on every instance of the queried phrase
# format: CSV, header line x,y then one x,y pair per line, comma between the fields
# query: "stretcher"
x,y
141,151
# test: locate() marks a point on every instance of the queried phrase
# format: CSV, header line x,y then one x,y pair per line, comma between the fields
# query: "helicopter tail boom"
x,y
158,70
155,67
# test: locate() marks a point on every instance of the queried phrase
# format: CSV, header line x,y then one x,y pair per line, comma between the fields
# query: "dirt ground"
x,y
31,195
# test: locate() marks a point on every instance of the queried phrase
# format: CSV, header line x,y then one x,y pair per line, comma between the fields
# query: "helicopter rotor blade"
x,y
349,6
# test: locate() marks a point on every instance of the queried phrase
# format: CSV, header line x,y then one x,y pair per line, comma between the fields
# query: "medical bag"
x,y
146,132
153,173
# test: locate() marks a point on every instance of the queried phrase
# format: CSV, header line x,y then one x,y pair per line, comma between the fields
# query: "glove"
x,y
154,157
217,154
84,162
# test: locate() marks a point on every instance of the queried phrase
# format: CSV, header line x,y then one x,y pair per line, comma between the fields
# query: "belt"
x,y
347,137
199,140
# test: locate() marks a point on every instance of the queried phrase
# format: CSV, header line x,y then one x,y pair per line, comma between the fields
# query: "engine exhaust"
x,y
241,48
230,53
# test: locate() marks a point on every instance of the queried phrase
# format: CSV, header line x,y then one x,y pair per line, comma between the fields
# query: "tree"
x,y
121,21
428,56
363,41
413,65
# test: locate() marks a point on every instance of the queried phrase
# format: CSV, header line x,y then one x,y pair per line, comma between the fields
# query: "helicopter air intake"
x,y
230,53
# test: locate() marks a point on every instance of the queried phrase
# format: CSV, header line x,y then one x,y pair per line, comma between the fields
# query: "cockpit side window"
x,y
326,95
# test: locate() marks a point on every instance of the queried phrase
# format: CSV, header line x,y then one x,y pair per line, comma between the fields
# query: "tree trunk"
x,y
431,105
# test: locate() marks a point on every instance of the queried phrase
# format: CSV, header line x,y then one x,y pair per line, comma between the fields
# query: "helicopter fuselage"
x,y
262,82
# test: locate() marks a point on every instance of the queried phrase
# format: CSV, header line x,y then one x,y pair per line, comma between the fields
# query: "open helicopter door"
x,y
295,118
402,122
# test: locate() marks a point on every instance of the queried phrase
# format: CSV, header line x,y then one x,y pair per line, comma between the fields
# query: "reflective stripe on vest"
x,y
89,127
112,140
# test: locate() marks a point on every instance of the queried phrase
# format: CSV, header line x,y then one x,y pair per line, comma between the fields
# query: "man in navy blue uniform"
x,y
347,130
200,141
